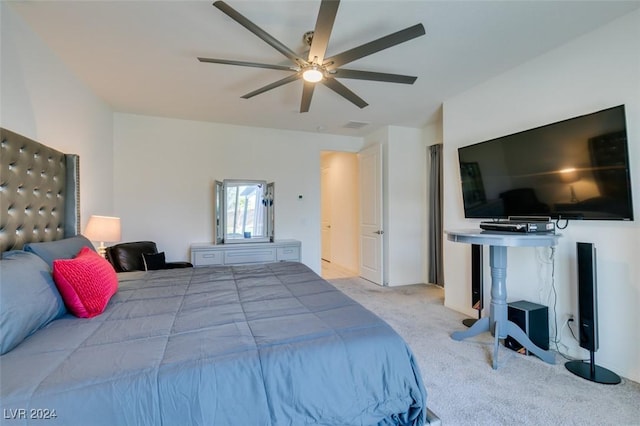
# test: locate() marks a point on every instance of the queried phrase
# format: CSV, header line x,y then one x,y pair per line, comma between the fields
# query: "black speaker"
x,y
533,319
588,318
587,296
476,277
476,283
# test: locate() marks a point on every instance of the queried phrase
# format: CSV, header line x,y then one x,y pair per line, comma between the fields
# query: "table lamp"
x,y
103,229
570,176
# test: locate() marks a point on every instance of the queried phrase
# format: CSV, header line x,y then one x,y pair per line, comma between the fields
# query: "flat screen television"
x,y
573,169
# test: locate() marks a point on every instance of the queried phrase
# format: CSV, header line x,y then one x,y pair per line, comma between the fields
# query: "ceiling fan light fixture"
x,y
312,74
313,67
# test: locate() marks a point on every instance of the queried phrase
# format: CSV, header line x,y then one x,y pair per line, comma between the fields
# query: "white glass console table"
x,y
497,322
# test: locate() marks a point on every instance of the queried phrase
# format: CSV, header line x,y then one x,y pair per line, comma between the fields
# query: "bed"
x,y
269,344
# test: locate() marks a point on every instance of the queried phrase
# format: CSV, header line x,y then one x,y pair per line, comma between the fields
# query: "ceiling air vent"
x,y
356,125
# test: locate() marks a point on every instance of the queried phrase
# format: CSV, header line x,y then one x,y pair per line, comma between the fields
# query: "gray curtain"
x,y
436,267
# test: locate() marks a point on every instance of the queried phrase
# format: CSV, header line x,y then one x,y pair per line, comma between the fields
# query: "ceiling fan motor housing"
x,y
308,37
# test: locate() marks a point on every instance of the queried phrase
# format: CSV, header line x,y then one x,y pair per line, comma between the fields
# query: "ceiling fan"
x,y
315,68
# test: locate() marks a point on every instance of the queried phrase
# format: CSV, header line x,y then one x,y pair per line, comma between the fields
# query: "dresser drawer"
x,y
203,258
256,255
289,253
205,254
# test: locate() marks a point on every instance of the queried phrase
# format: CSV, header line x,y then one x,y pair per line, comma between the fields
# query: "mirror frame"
x,y
220,206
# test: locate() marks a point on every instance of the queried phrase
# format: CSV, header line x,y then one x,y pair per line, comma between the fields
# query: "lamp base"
x,y
574,199
102,250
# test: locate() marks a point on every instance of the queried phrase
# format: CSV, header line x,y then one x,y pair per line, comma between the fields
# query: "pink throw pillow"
x,y
86,282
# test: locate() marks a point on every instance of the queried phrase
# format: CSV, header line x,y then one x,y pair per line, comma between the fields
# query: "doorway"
x,y
339,201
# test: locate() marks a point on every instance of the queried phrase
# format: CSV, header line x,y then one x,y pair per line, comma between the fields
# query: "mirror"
x,y
243,211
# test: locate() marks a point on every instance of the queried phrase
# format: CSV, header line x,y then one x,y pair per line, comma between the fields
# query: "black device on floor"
x,y
533,319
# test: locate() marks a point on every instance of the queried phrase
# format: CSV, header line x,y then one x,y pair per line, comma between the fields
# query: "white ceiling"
x,y
140,56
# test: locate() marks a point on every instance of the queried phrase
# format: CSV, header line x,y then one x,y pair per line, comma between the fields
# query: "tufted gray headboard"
x,y
39,192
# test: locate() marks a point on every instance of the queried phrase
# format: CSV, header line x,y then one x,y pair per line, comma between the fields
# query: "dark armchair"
x,y
140,256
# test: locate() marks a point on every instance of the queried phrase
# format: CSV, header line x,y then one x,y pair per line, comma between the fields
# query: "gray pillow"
x,y
29,299
67,248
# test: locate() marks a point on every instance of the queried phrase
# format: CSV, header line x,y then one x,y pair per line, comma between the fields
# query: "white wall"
x,y
165,169
406,201
404,194
596,71
41,99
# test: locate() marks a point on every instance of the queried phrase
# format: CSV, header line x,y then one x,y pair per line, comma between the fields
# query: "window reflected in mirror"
x,y
243,211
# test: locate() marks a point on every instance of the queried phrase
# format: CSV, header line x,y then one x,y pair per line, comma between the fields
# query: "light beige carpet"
x,y
463,389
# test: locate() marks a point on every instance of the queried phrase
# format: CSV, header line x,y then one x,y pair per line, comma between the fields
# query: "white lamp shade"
x,y
569,175
103,228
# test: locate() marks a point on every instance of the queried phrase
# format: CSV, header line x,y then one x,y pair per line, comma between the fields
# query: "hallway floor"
x,y
331,271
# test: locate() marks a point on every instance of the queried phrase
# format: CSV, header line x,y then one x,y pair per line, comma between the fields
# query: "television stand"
x,y
497,322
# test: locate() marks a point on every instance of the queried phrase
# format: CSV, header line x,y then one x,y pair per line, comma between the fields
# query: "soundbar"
x,y
519,226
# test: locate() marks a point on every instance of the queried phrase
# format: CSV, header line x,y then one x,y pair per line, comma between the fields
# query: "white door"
x,y
371,240
325,213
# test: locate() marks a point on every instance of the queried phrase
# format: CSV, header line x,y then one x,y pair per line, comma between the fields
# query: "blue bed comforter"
x,y
248,345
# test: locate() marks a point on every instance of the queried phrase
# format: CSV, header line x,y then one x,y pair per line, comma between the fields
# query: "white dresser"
x,y
207,254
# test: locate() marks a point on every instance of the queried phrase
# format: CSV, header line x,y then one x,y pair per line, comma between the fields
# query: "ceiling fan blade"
x,y
322,32
373,76
375,46
343,91
246,64
266,37
289,79
307,93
